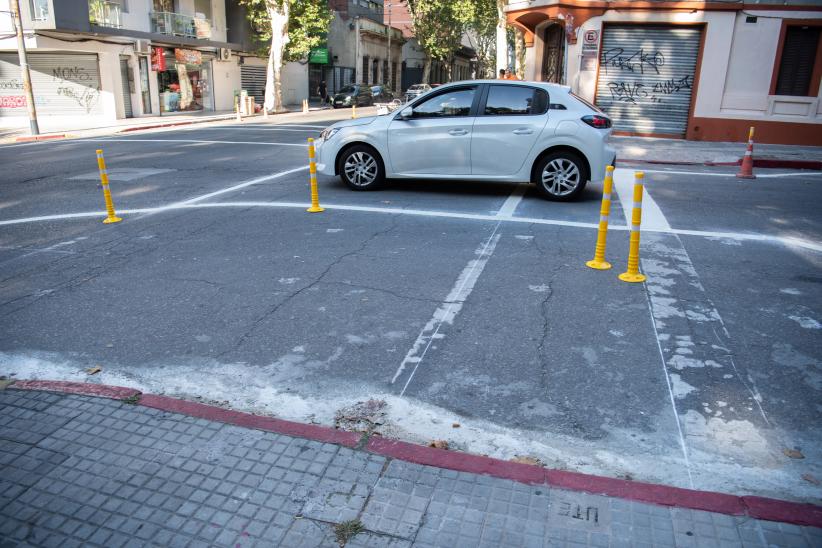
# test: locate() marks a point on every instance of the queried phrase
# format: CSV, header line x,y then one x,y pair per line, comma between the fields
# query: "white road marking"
x,y
764,238
450,307
652,217
257,128
110,140
709,174
510,206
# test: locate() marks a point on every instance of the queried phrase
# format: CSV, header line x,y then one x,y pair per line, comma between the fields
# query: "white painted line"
x,y
253,128
682,443
733,175
765,238
652,217
109,140
448,310
511,203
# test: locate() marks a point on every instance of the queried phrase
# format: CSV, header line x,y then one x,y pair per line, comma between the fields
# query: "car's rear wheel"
x,y
361,168
561,176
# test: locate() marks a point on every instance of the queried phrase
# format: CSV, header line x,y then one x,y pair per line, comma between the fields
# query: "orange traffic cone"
x,y
746,170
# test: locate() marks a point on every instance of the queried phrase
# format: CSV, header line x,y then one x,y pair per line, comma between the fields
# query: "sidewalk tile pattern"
x,y
81,471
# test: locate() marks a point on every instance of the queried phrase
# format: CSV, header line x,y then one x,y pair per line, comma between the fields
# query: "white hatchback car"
x,y
481,130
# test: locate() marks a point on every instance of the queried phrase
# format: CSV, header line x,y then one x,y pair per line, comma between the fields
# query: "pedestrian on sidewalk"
x,y
322,90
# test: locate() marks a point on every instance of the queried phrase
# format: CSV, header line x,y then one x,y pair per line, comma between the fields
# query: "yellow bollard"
x,y
101,163
312,168
239,116
599,262
632,274
354,110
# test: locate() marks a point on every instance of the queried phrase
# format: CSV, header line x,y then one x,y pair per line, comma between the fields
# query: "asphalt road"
x,y
463,303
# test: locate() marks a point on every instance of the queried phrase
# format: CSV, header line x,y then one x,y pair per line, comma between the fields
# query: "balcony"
x,y
177,24
105,14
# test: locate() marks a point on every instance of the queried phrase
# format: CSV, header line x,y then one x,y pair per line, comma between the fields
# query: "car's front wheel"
x,y
561,176
361,168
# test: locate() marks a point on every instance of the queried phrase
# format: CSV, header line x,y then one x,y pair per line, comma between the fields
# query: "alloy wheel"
x,y
361,169
561,177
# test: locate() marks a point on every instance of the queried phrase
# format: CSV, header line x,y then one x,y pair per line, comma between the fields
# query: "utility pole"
x,y
24,67
390,81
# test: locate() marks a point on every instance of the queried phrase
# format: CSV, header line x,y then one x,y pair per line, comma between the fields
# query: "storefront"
x,y
184,80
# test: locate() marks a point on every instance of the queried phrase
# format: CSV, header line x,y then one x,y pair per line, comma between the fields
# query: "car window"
x,y
510,100
451,103
348,89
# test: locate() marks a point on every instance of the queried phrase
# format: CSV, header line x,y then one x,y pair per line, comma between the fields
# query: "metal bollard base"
x,y
313,209
110,220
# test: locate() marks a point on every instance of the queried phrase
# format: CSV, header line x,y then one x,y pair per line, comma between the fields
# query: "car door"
x,y
508,125
436,139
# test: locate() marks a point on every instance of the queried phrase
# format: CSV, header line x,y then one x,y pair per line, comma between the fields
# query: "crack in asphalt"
x,y
271,311
386,291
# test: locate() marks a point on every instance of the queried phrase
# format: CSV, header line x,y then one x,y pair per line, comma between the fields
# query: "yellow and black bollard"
x,y
632,274
599,262
312,168
101,163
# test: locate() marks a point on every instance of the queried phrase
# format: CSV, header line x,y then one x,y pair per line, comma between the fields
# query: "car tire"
x,y
361,168
561,176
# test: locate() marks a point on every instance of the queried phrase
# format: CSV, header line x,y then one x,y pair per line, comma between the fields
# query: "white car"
x,y
479,130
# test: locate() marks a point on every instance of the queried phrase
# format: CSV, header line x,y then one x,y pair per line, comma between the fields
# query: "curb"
x,y
32,138
663,495
175,124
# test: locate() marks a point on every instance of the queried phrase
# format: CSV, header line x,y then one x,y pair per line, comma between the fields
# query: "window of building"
x,y
510,100
365,70
451,103
798,66
375,69
393,82
39,10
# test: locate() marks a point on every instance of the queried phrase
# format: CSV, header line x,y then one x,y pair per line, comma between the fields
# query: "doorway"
x,y
553,53
128,87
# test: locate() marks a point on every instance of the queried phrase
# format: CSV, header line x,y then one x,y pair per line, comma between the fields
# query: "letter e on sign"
x,y
591,36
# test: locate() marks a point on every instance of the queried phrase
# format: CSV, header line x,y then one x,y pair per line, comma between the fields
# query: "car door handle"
x,y
458,132
523,131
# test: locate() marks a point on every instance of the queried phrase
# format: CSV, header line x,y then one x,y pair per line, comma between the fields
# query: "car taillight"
x,y
597,121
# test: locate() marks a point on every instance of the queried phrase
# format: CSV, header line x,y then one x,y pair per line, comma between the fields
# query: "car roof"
x,y
544,85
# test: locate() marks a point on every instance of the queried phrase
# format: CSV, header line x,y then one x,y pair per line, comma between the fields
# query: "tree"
x,y
292,28
438,26
502,36
482,33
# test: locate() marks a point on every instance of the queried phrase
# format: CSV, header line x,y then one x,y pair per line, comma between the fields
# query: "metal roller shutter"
x,y
63,84
252,79
646,77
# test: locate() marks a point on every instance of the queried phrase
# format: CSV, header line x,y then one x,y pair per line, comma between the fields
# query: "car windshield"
x,y
348,89
584,102
418,87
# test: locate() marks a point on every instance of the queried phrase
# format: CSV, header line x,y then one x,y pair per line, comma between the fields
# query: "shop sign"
x,y
202,27
188,56
158,59
318,56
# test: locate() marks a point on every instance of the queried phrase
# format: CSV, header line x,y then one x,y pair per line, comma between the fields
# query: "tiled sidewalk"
x,y
85,471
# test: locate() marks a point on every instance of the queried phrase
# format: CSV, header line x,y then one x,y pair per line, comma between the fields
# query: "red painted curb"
x,y
454,460
247,420
787,164
40,138
80,388
755,507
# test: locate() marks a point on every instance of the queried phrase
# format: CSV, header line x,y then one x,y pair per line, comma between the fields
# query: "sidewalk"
x,y
680,151
139,470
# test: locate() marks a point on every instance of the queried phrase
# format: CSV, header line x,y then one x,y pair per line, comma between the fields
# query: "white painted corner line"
x,y
510,206
652,216
731,175
447,311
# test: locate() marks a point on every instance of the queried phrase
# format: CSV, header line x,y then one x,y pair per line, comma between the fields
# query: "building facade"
x,y
358,47
96,61
695,70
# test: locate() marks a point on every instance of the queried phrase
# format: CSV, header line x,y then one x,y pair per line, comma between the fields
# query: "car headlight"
x,y
328,133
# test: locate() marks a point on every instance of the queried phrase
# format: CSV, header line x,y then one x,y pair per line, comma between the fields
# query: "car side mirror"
x,y
406,113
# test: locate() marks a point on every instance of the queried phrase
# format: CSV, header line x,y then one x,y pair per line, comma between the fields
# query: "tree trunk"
x,y
426,70
502,37
449,68
279,39
519,53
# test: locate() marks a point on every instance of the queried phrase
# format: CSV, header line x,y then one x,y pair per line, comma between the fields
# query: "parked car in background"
x,y
415,91
382,93
478,130
355,94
